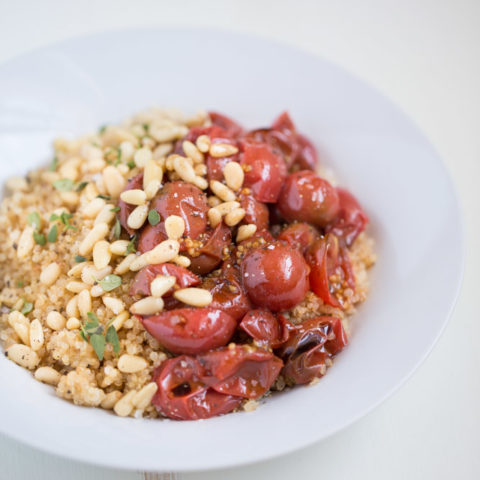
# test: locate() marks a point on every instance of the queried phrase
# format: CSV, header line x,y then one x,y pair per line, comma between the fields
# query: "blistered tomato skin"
x,y
275,276
191,330
125,208
306,197
265,328
256,212
299,235
182,395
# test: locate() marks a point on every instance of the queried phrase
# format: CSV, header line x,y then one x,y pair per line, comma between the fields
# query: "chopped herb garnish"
x,y
117,229
110,282
146,126
53,234
27,308
105,197
33,220
131,246
65,219
54,165
153,217
112,338
81,186
102,129
131,164
94,333
80,259
64,185
98,343
20,284
115,209
39,238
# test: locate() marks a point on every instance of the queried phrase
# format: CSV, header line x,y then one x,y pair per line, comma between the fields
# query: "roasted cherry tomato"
x,y
308,198
306,158
282,144
275,276
265,171
222,121
215,165
241,371
182,395
210,254
299,235
214,131
255,212
143,279
191,330
351,219
284,123
309,347
330,270
267,329
125,208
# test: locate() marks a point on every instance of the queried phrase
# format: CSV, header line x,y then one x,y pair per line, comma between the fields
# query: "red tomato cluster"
x,y
235,348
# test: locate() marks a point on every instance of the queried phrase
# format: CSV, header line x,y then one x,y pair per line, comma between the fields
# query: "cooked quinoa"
x,y
51,272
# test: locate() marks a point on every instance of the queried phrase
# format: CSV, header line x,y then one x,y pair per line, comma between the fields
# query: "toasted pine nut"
x,y
76,287
23,332
152,171
22,355
25,243
167,134
144,397
76,270
36,335
152,188
124,265
134,196
163,252
124,407
184,169
114,181
111,399
197,297
174,226
162,284
96,291
73,323
162,150
214,201
138,262
203,143
131,363
114,304
97,233
227,207
234,217
222,191
192,151
222,150
47,375
142,156
72,307
200,182
17,317
119,247
246,231
69,198
137,218
17,184
55,320
101,254
50,274
147,306
92,208
84,303
200,169
120,320
214,217
182,261
106,215
234,175
127,150
90,275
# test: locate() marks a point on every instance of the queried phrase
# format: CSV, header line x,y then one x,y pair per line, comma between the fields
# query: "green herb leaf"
x,y
102,129
153,217
131,164
110,282
112,338
54,165
53,217
27,308
105,197
146,126
81,186
19,284
64,185
98,343
80,259
65,219
115,209
39,238
53,234
117,229
83,334
131,246
33,219
93,318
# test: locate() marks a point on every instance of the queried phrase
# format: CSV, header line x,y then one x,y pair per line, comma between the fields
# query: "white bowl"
x,y
77,85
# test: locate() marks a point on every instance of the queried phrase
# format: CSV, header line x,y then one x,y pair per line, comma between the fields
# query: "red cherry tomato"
x,y
308,198
330,269
191,330
306,158
211,253
125,208
265,173
310,344
214,131
284,123
222,121
351,219
299,235
143,279
241,371
275,276
266,328
255,212
182,395
215,165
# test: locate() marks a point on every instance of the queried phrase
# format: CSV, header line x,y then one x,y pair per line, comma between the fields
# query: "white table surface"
x,y
424,55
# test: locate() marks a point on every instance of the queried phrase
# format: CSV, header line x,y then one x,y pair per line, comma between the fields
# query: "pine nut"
x,y
18,304
147,306
124,266
142,156
222,191
182,261
17,317
114,181
120,319
152,188
162,284
50,274
152,171
36,335
17,184
144,397
92,209
234,217
162,150
192,151
163,252
174,227
97,233
47,375
73,323
76,270
200,169
124,407
245,231
138,262
222,150
23,332
114,304
96,291
76,287
25,243
84,303
134,197
213,201
111,399
55,320
184,169
201,183
131,363
234,175
72,307
119,247
169,162
197,297
101,254
227,207
167,134
69,198
214,217
127,150
106,215
203,143
23,355
90,275
137,218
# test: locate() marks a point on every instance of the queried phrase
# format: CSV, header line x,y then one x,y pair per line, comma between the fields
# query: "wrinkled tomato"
x,y
125,208
299,235
267,329
256,212
229,125
191,330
